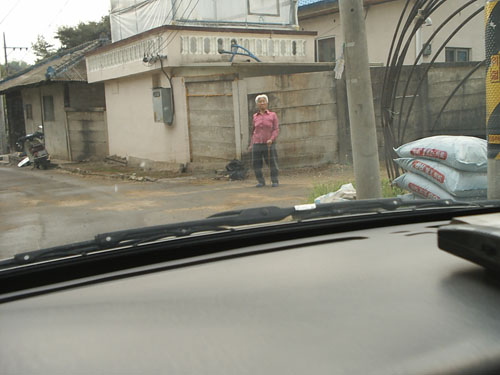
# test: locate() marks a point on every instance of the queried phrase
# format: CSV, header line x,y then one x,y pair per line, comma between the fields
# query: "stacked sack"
x,y
444,167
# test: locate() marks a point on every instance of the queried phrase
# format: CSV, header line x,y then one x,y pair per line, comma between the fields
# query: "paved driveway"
x,y
40,209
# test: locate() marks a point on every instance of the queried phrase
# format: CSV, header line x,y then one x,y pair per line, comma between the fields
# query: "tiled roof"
x,y
66,66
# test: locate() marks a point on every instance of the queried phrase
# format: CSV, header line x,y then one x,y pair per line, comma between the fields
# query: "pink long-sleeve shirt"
x,y
265,127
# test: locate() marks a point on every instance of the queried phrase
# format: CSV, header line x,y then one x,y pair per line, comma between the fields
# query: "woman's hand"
x,y
269,142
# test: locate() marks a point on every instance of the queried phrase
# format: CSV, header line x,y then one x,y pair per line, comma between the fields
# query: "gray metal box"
x,y
162,105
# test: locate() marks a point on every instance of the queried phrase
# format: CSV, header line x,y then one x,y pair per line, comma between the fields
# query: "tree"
x,y
72,36
42,49
14,67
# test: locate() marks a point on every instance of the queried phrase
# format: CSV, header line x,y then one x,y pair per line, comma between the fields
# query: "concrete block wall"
x,y
211,120
465,114
306,107
88,135
313,112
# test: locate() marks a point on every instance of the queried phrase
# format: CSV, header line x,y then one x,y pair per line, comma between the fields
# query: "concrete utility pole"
x,y
5,54
360,101
492,38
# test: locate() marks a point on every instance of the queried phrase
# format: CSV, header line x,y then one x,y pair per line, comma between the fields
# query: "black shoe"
x,y
275,184
260,184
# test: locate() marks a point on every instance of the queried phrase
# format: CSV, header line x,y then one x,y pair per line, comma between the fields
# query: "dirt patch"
x,y
337,172
305,177
127,206
117,171
113,170
74,203
32,202
148,193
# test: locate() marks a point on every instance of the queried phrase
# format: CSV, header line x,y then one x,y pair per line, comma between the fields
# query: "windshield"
x,y
126,115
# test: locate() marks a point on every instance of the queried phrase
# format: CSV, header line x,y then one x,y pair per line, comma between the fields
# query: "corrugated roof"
x,y
66,66
307,2
303,3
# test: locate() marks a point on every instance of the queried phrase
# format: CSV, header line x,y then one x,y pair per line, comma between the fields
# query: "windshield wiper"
x,y
135,237
379,205
229,220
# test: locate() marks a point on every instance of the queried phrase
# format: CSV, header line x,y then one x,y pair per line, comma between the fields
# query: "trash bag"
x,y
346,192
237,170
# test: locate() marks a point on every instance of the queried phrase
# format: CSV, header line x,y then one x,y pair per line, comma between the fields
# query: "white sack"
x,y
456,182
459,152
421,187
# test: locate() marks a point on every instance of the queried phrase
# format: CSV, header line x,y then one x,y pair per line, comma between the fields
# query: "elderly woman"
x,y
262,145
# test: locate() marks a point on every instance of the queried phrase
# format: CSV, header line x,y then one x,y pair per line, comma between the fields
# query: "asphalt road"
x,y
39,209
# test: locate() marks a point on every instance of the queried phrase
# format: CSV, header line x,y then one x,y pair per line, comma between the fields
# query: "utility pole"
x,y
360,101
492,38
5,54
3,104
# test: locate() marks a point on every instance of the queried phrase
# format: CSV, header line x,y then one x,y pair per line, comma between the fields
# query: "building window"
x,y
48,108
29,112
457,54
325,50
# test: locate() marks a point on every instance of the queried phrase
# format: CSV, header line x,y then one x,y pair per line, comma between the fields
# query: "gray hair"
x,y
260,97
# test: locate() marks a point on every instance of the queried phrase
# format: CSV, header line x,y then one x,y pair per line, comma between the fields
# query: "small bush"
x,y
388,190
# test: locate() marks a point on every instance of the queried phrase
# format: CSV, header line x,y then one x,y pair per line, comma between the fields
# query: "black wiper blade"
x,y
229,220
134,237
378,205
220,221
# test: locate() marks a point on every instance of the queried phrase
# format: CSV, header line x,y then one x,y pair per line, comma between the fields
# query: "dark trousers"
x,y
260,151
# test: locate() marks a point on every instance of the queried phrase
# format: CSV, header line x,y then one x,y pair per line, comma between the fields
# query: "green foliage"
x,y
14,67
72,36
42,49
389,190
324,188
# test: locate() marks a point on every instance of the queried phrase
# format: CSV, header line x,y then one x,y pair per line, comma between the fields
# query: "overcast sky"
x,y
23,20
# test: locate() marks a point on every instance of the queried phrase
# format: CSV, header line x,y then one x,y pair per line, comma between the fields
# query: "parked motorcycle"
x,y
34,147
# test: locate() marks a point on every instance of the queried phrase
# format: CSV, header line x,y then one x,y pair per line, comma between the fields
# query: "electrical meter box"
x,y
162,105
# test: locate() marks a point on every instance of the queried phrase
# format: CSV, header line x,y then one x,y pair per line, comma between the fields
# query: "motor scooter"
x,y
34,146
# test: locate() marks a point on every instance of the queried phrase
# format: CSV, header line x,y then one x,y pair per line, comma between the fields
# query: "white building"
x,y
382,17
160,47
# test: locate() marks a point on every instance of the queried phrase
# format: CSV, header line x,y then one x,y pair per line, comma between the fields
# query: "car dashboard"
x,y
381,300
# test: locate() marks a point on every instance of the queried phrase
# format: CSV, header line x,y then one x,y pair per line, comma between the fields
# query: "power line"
x,y
171,11
50,24
10,11
57,15
172,36
163,44
182,17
